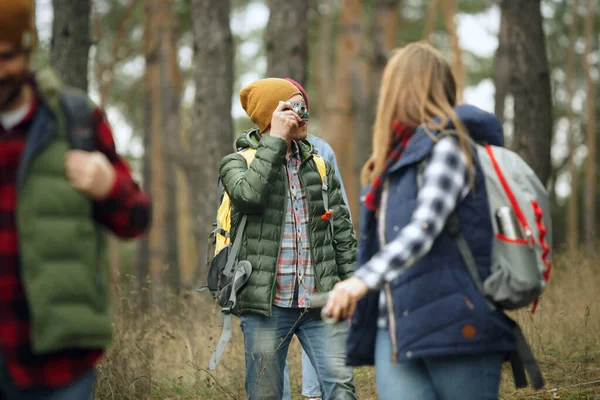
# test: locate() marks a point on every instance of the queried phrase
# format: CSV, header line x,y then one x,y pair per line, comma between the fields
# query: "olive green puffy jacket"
x,y
260,191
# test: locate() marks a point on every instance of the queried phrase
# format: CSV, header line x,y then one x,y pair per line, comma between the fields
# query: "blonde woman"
x,y
420,318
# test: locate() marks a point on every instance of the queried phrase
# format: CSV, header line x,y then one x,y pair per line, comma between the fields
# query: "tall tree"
x,y
573,207
286,39
589,192
378,40
431,19
104,74
171,92
160,101
450,11
529,83
501,69
211,135
71,41
338,121
324,69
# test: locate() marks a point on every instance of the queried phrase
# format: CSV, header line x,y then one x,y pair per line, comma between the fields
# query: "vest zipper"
x,y
392,322
387,287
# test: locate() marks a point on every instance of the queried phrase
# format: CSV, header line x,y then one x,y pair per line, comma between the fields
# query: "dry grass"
x,y
165,356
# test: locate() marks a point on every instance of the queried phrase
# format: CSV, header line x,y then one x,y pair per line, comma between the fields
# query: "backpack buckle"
x,y
226,309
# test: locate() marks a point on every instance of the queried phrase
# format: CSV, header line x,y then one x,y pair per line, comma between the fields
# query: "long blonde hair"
x,y
417,87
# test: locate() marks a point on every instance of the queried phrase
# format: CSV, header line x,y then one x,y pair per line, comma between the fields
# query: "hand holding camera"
x,y
284,121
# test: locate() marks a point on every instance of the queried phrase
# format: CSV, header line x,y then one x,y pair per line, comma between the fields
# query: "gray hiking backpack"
x,y
521,255
520,215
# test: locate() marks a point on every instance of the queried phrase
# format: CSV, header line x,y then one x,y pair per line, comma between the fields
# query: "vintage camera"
x,y
299,108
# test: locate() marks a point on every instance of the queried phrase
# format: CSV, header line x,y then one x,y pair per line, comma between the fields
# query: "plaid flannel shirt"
x,y
126,212
295,277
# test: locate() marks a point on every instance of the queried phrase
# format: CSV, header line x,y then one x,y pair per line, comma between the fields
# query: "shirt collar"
x,y
295,150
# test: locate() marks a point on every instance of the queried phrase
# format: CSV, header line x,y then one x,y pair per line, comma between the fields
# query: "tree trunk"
x,y
156,44
143,256
450,11
501,69
573,206
589,189
529,84
338,122
212,127
324,71
377,44
71,41
431,19
104,79
171,92
286,40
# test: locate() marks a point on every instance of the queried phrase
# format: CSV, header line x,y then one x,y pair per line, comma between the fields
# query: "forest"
x,y
168,73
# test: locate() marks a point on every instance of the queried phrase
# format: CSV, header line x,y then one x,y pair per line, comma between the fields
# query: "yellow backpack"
x,y
227,275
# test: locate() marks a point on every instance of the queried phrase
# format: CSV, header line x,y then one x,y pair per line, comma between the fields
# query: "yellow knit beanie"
x,y
16,23
261,98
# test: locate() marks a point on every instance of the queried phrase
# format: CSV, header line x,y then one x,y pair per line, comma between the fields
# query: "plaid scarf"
x,y
402,135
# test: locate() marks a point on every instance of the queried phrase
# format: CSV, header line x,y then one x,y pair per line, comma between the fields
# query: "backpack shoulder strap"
x,y
249,154
78,112
321,167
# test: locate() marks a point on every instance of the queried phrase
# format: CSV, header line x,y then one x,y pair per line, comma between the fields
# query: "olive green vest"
x,y
60,245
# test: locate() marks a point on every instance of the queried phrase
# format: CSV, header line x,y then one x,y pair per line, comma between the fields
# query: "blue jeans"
x,y
310,380
266,342
469,377
81,389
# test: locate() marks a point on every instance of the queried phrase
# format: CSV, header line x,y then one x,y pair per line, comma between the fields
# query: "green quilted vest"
x,y
61,246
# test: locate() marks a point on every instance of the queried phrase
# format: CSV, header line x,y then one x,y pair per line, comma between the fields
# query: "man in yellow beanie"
x,y
61,185
297,236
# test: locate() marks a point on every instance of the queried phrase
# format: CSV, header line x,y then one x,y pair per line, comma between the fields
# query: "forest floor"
x,y
165,356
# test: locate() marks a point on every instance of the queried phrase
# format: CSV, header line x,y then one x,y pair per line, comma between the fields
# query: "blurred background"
x,y
168,73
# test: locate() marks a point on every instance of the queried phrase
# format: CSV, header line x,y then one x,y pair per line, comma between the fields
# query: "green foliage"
x,y
479,68
41,57
475,6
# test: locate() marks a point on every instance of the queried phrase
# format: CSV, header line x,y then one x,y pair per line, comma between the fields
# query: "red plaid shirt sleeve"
x,y
126,211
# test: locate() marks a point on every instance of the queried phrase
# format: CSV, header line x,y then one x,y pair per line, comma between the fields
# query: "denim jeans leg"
x,y
310,379
406,380
479,372
266,342
287,389
325,346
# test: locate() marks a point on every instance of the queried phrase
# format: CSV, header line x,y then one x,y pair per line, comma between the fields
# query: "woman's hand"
x,y
343,298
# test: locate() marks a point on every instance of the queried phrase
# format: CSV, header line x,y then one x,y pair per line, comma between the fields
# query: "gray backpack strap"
x,y
79,119
235,248
524,356
522,359
240,273
453,228
241,276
